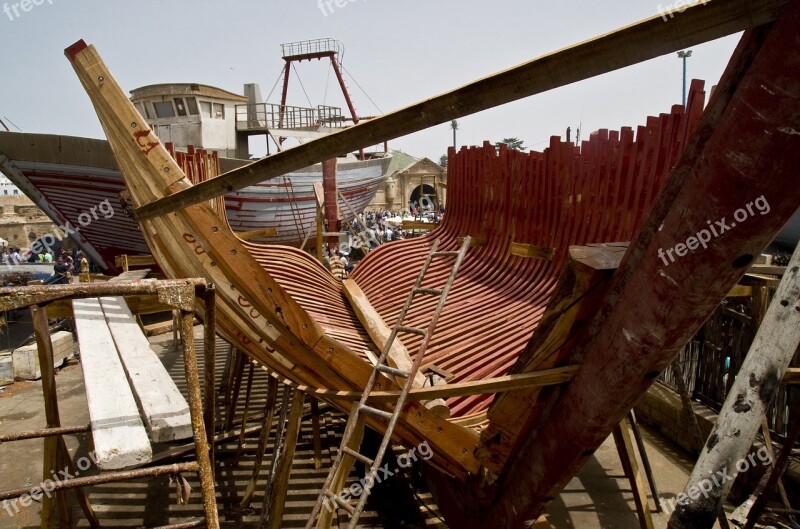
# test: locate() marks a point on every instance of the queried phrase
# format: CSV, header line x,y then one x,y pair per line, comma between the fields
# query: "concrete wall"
x,y
661,408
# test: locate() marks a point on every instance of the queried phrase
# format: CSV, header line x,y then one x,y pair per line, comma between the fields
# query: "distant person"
x,y
48,256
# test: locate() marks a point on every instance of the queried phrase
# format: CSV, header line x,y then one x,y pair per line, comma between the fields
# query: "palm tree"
x,y
454,126
515,144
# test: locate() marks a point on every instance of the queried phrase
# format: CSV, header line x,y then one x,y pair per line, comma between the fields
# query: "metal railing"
x,y
313,47
261,116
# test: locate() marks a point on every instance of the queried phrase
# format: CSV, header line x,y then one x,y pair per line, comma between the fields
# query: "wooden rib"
x,y
792,376
532,251
247,235
538,379
549,199
650,38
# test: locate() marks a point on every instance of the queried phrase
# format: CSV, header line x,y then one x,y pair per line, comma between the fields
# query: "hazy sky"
x,y
398,51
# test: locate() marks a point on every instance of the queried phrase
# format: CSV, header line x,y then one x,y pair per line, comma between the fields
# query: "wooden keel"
x,y
254,311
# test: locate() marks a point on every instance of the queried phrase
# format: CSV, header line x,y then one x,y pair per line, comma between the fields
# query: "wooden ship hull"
x,y
551,292
66,176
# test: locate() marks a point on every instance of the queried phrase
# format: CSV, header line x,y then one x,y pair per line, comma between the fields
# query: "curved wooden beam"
x,y
650,38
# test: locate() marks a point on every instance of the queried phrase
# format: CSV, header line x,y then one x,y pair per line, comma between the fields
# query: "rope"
x,y
301,86
362,90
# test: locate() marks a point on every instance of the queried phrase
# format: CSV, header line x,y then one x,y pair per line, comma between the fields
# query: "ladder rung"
x,y
340,502
444,254
431,291
393,371
412,330
375,411
361,457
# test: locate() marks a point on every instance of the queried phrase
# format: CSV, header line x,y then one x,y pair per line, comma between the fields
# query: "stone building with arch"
x,y
411,181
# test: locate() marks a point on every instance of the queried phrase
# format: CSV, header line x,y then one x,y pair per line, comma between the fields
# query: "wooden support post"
x,y
331,202
276,454
623,437
773,476
263,439
235,387
51,453
768,444
315,429
245,413
277,499
749,398
648,470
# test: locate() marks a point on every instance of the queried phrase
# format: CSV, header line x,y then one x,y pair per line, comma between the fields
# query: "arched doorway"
x,y
424,199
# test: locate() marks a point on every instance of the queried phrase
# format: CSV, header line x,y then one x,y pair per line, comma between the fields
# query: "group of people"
x,y
64,262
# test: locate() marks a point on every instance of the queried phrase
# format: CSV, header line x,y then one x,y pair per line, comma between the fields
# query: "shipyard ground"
x,y
598,497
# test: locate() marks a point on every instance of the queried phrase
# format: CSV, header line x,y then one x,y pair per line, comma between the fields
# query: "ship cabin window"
x,y
205,109
219,111
191,103
164,109
147,112
180,106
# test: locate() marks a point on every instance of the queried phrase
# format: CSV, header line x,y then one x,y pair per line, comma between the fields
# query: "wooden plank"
x,y
319,194
257,234
768,270
277,500
533,251
124,261
475,241
50,459
377,329
315,431
648,39
417,225
120,439
164,409
623,437
740,291
538,379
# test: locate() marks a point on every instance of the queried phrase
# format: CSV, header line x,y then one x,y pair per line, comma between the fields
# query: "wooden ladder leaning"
x,y
360,409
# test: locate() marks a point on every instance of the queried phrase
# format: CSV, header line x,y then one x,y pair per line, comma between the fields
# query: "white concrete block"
x,y
6,369
26,359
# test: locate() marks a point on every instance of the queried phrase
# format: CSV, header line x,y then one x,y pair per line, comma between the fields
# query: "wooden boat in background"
x,y
67,175
497,463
